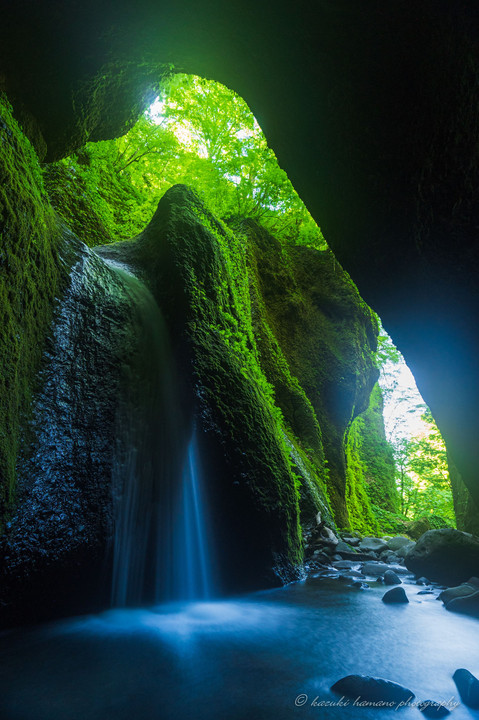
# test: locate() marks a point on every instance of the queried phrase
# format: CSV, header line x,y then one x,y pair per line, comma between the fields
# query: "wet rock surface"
x,y
53,555
446,556
468,688
396,595
372,689
463,599
391,578
432,709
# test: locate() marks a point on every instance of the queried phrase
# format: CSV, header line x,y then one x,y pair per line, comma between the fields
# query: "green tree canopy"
x,y
420,455
199,133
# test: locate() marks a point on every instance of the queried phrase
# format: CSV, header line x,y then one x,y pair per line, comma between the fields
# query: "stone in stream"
x,y
390,578
353,541
405,549
372,690
328,537
446,556
397,542
468,604
344,564
467,588
390,557
432,709
360,585
371,544
468,688
343,547
374,568
395,596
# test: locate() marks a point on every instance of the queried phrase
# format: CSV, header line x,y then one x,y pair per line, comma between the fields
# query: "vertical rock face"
x,y
31,270
327,335
370,464
54,551
465,507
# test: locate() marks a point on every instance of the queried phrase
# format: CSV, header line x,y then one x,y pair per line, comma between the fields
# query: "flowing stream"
x,y
271,656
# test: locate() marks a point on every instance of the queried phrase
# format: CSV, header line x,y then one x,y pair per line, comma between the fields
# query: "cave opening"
x,y
277,359
200,133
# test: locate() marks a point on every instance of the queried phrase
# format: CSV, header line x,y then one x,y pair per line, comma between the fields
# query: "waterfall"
x,y
193,552
148,457
160,550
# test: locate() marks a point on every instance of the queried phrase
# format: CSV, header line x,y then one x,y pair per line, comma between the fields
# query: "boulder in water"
x,y
374,568
445,556
398,541
402,551
372,544
390,578
372,690
432,709
396,595
468,687
464,598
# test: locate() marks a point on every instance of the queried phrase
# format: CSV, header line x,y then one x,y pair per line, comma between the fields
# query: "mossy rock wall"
x,y
314,323
30,274
370,467
281,326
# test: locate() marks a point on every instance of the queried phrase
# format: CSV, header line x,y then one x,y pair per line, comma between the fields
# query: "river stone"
x,y
468,688
372,544
467,604
431,709
374,568
405,549
353,541
390,578
445,556
345,564
396,595
328,537
343,547
398,542
352,574
372,689
469,588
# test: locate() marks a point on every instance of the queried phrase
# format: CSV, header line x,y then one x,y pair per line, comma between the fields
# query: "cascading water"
x,y
160,551
193,553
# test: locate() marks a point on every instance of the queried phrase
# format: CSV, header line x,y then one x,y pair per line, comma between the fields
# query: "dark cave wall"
x,y
371,109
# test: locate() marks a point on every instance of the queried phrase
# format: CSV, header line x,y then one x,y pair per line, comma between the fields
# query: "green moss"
x,y
376,455
29,278
205,289
317,340
370,467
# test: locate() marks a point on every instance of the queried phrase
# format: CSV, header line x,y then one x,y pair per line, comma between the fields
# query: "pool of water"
x,y
267,655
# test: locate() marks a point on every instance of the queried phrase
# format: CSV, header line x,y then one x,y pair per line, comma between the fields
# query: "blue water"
x,y
193,554
257,657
